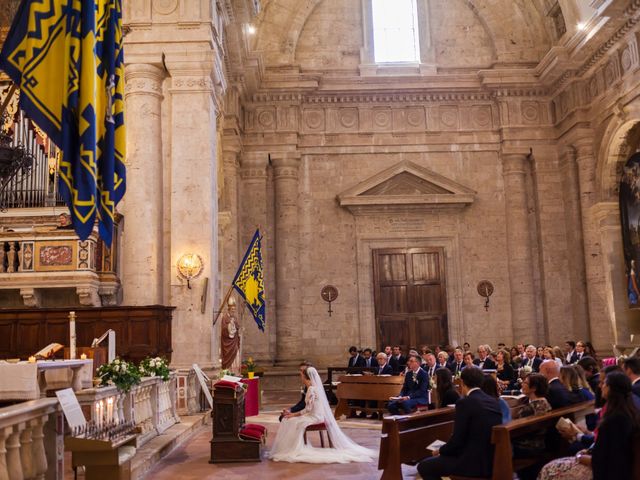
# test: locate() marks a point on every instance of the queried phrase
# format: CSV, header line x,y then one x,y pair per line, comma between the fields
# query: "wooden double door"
x,y
410,297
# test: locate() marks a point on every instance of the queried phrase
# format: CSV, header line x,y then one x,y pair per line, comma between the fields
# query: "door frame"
x,y
365,282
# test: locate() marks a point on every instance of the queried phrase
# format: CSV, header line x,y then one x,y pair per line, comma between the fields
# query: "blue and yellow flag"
x,y
66,57
249,280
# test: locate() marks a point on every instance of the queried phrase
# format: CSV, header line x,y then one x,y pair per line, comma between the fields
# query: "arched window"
x,y
395,31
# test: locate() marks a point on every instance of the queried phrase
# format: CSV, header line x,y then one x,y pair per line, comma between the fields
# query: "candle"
x,y
32,359
83,356
101,412
110,409
97,413
72,335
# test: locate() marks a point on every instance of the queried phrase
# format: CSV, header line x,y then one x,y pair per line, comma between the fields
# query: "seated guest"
x,y
466,346
560,357
414,389
457,365
570,352
557,395
534,386
530,359
580,351
569,378
549,354
490,387
397,361
611,455
383,365
631,367
369,361
468,359
388,351
302,403
590,367
504,371
483,361
445,389
515,358
589,351
469,451
430,365
355,359
442,359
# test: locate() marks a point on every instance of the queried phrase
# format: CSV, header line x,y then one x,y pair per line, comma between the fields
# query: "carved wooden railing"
x,y
151,405
31,441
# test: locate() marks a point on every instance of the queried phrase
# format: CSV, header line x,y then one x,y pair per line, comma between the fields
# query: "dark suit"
x,y
558,395
398,364
571,359
300,405
635,388
455,367
370,362
469,451
386,370
356,361
431,371
487,365
415,390
534,364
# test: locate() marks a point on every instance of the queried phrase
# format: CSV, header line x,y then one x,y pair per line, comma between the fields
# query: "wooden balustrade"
x,y
152,405
31,441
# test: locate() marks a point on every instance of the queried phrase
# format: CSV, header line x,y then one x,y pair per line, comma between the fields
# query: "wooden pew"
x,y
366,387
404,439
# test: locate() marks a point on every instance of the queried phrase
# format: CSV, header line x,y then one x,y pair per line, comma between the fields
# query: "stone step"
x,y
162,445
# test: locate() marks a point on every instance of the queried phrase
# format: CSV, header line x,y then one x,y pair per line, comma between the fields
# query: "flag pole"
x,y
224,302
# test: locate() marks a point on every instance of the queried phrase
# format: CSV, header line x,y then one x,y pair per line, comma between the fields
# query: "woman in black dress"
x,y
504,371
447,394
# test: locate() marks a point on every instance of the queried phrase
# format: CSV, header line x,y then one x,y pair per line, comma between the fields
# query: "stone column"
x,y
523,307
575,244
194,208
599,334
620,316
253,207
231,260
288,301
142,205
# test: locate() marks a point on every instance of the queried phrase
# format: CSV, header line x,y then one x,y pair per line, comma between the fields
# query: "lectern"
x,y
228,444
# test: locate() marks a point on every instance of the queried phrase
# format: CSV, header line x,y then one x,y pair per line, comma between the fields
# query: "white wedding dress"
x,y
289,444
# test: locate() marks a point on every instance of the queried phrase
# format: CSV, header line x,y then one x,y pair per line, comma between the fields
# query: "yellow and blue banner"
x,y
249,280
66,57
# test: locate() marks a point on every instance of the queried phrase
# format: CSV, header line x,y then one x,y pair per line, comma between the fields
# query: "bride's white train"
x,y
289,444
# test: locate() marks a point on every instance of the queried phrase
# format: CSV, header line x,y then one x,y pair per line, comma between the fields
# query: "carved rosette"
x,y
143,79
285,167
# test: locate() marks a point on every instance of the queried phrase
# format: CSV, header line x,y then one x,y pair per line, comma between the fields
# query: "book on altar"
x,y
49,350
435,445
231,378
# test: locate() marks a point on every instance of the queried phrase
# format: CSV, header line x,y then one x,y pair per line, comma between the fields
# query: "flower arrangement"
x,y
250,364
120,373
154,367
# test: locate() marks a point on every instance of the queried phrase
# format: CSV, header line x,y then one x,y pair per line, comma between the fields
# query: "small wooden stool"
x,y
318,427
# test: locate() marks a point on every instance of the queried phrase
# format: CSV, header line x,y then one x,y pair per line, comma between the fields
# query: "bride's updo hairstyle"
x,y
305,372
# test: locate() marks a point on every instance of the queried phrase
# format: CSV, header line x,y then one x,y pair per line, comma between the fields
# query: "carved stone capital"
x,y
514,164
230,160
143,79
109,295
584,149
254,165
31,297
285,165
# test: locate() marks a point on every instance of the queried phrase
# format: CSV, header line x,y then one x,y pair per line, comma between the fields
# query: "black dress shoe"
x,y
362,415
374,416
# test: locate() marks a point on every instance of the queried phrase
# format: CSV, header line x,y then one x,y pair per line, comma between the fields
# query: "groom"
x,y
302,403
414,389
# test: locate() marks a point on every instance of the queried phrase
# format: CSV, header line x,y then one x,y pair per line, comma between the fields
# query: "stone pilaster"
x,y
607,216
253,201
288,292
231,167
575,243
142,260
194,208
523,306
599,333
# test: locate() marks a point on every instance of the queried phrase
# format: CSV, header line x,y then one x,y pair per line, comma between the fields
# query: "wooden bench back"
x,y
368,387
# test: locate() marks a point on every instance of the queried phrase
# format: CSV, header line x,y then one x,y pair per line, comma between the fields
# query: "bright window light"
x,y
395,31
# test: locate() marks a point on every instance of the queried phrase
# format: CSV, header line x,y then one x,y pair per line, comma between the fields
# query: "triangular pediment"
x,y
404,186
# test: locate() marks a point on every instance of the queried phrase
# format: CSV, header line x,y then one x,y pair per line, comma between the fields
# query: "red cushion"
x,y
255,426
251,434
225,384
316,427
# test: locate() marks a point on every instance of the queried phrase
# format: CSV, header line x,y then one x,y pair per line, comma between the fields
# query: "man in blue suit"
x,y
414,389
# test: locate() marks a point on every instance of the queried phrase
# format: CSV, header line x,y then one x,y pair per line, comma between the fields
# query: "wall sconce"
x,y
190,266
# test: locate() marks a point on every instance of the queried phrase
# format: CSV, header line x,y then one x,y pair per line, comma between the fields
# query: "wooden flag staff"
x,y
224,302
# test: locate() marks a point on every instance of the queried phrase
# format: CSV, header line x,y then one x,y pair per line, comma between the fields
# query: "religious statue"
x,y
230,338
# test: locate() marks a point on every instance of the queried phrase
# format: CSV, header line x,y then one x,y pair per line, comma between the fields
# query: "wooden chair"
x,y
318,427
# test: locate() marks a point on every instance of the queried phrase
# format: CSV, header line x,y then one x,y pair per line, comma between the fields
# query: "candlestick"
x,y
32,359
72,335
97,413
101,413
110,410
83,356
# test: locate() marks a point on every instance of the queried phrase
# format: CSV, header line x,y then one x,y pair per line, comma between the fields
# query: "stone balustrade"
x,y
151,404
31,441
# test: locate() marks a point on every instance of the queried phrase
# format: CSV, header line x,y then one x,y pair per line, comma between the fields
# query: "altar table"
x,y
252,396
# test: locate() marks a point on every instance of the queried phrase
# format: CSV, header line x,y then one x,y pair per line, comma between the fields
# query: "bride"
x,y
289,445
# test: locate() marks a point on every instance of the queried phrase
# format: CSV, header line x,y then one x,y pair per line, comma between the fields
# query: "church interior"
x,y
415,178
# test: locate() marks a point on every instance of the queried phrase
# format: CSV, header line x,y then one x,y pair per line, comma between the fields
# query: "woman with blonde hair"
x,y
570,379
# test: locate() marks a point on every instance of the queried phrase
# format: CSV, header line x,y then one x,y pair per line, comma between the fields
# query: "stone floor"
x,y
191,461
